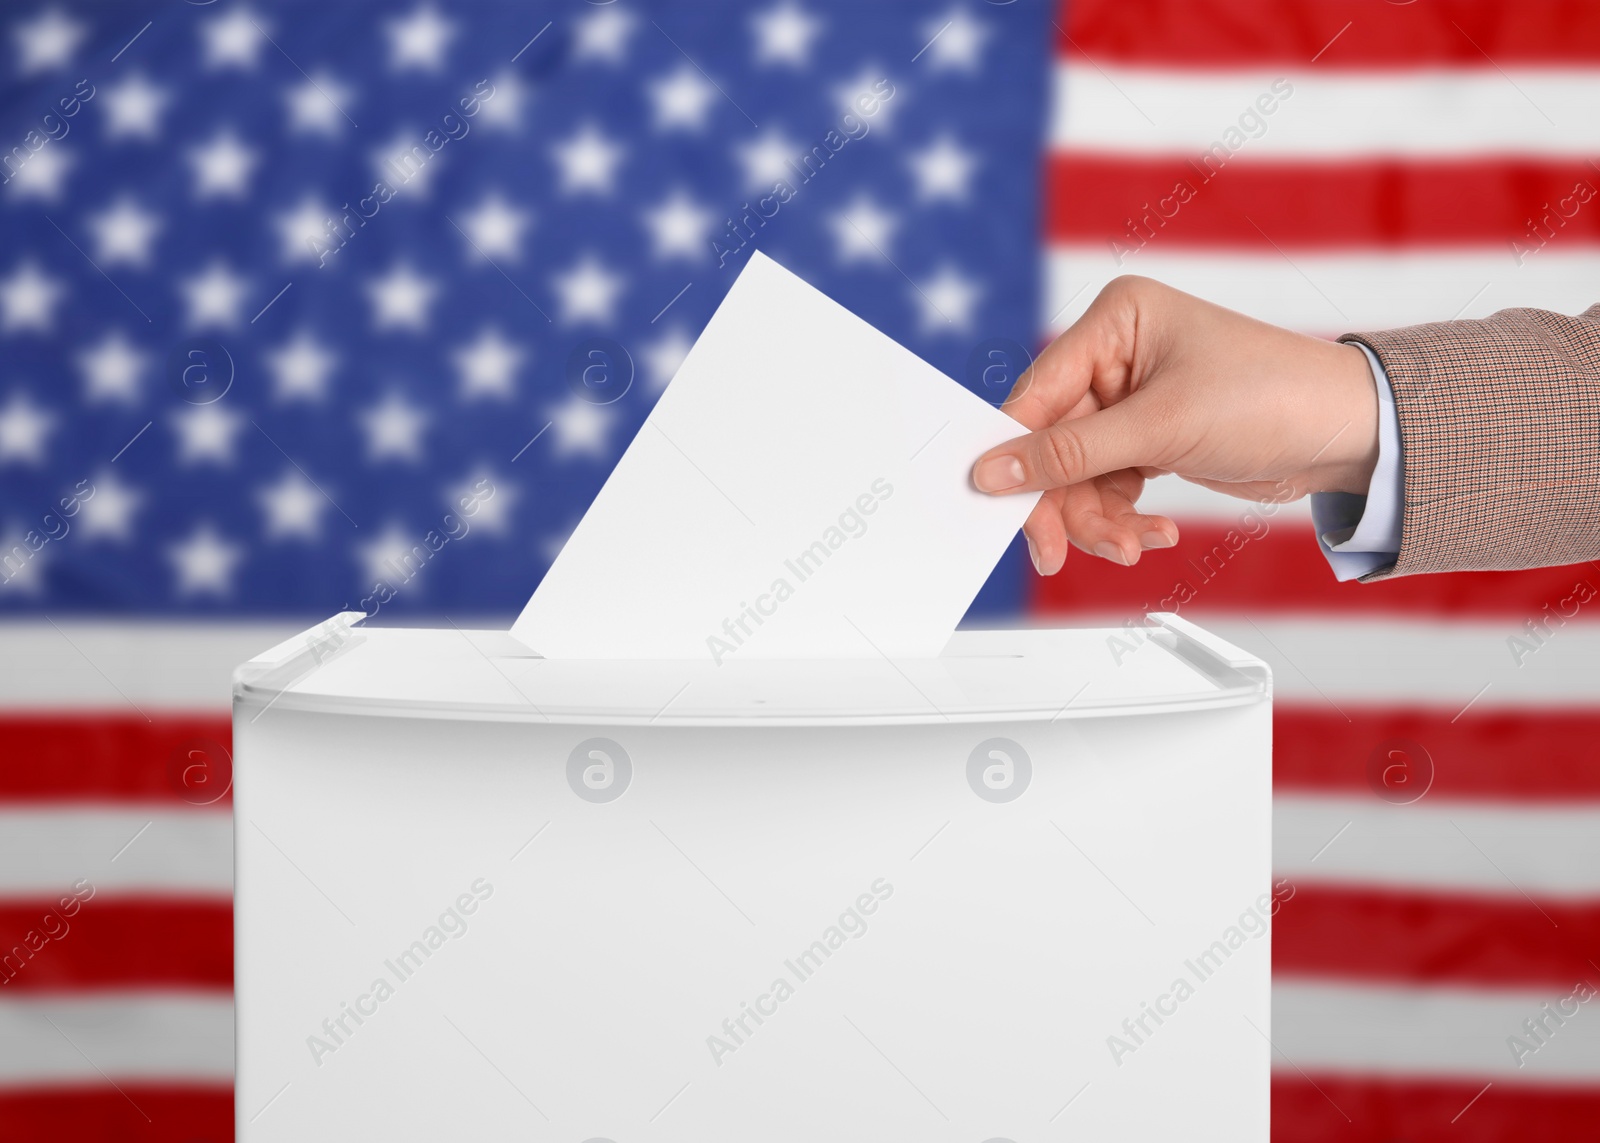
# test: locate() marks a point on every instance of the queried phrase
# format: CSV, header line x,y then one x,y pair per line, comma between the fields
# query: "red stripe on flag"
x,y
1345,1109
92,757
1435,938
1529,756
1218,567
1178,201
1370,33
122,942
1338,1109
130,1111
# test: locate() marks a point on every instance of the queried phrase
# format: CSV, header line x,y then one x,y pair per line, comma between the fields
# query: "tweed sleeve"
x,y
1500,435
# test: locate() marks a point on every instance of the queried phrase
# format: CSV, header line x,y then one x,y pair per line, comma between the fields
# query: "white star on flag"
x,y
864,233
603,35
488,366
394,428
111,370
680,227
682,99
493,512
663,356
400,299
550,546
300,368
947,301
304,232
233,39
847,97
207,433
392,558
943,170
24,428
293,507
419,41
581,427
588,161
28,298
222,167
133,108
407,164
494,229
766,159
503,110
784,35
108,514
42,175
588,291
205,562
26,577
214,296
123,233
954,42
318,105
47,41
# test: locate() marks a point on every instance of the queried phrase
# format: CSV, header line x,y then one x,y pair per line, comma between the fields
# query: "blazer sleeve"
x,y
1500,439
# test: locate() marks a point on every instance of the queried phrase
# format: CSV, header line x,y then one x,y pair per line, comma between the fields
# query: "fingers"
x,y
1047,533
1099,516
1057,381
1118,531
1092,353
1069,452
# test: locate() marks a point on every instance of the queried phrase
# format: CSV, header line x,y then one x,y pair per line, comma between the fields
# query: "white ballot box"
x,y
1019,891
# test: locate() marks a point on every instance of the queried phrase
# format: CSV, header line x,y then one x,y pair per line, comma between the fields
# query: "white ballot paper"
x,y
802,489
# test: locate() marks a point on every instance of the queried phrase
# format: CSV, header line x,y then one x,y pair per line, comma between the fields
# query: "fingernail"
x,y
1154,540
1033,554
1106,550
998,474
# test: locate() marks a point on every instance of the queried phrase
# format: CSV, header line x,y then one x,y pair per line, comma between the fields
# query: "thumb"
x,y
1067,452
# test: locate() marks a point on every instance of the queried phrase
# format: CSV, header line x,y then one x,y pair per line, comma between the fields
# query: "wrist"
x,y
1352,455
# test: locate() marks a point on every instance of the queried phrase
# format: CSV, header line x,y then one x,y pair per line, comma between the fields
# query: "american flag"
x,y
242,380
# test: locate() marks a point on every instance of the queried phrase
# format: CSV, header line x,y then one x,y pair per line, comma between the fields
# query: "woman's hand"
x,y
1151,381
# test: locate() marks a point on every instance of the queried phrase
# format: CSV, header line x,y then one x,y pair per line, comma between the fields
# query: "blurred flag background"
x,y
279,283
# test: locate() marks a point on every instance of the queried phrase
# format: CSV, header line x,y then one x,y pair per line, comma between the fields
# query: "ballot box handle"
x,y
1226,665
275,670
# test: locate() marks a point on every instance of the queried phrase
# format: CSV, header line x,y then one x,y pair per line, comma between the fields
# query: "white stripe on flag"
x,y
1451,665
1331,294
126,1036
1380,661
44,849
1186,503
1431,1032
1509,851
1414,113
117,666
1501,850
1322,1027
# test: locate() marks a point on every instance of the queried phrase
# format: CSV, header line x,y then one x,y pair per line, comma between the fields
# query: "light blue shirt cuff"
x,y
1361,534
